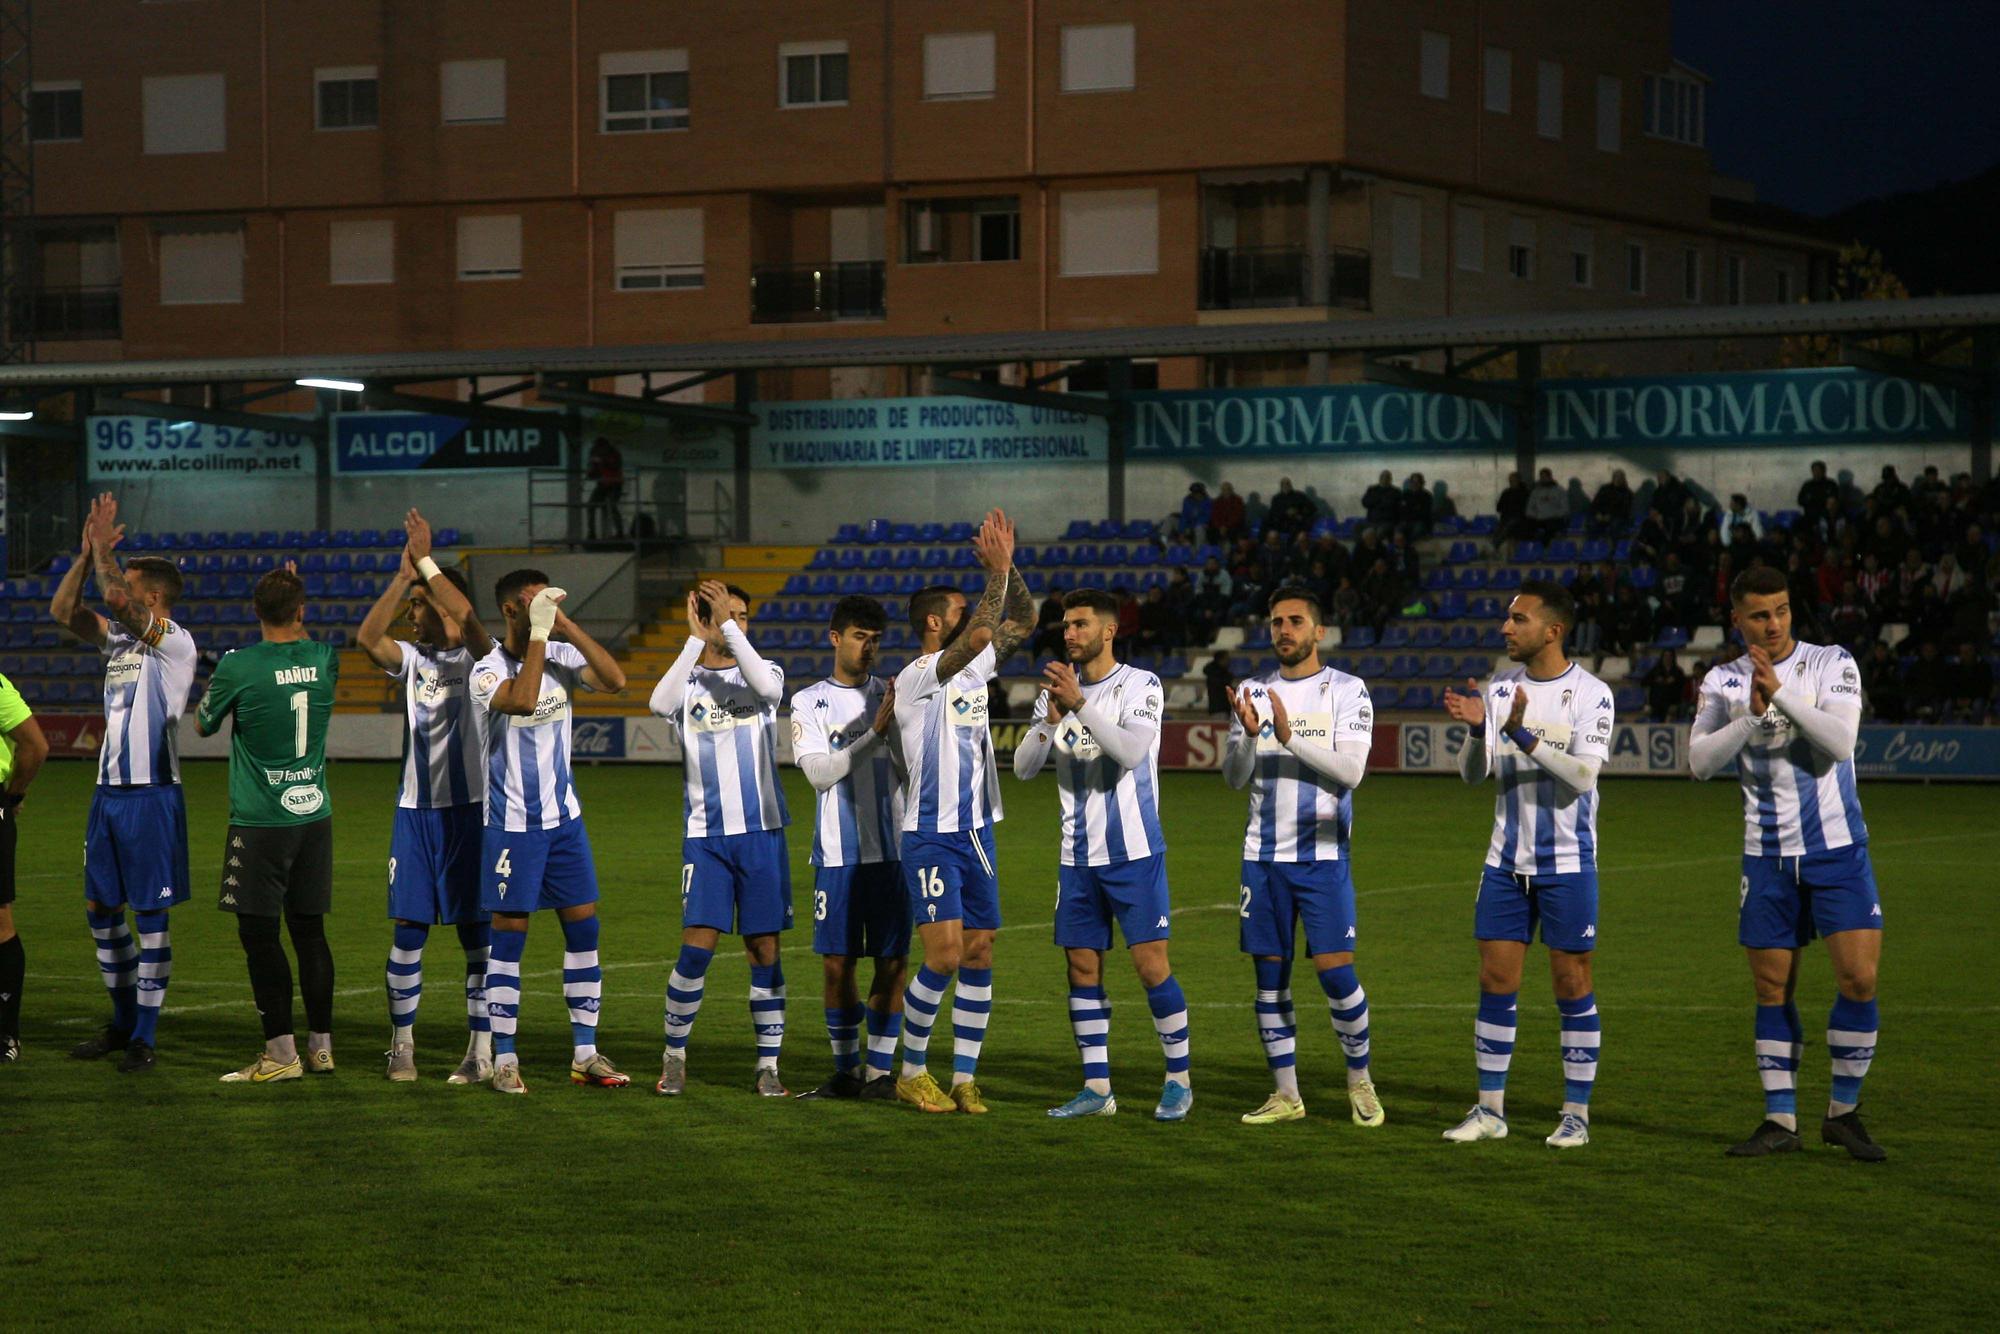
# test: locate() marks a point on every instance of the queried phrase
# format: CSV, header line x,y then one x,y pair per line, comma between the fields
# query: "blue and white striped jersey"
x,y
1110,814
1796,800
442,761
859,817
528,782
146,683
1540,826
729,750
1298,814
954,785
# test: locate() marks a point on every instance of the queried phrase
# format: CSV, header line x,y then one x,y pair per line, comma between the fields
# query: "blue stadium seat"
x,y
1461,552
796,584
847,533
1449,606
1461,636
1078,530
1180,553
1526,553
1643,576
902,532
910,583
1438,667
1395,636
881,558
1038,582
1137,530
1629,700
1116,553
876,530
1371,665
1085,553
1384,697
930,532
1448,525
1563,550
1055,555
1361,636
1672,636
1474,665
825,584
800,638
821,559
1428,637
1595,550
959,532
1145,555
1439,579
881,585
1506,579
1061,581
936,558
1106,529
852,583
1419,697
964,558
909,558
1473,578
1492,641
1486,608
851,558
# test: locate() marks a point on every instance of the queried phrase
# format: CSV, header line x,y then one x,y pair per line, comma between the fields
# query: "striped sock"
x,y
583,985
1780,1043
503,991
843,1032
1090,1022
883,1030
118,960
920,1006
767,1012
1493,1048
1277,1028
1170,1021
477,940
406,978
1581,1036
1850,1042
971,1007
684,989
1348,1004
156,966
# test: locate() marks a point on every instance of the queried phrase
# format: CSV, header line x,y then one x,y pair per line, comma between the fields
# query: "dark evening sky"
x,y
1824,103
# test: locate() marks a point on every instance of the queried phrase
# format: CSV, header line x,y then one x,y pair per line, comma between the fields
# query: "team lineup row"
x,y
489,830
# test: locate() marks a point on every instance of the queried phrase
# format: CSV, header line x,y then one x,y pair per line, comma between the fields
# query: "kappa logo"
x,y
233,882
1590,932
1350,933
1874,910
229,900
235,842
1270,1034
1732,683
1604,703
588,1004
1772,1063
1161,924
236,862
820,703
1579,1055
1480,1044
165,892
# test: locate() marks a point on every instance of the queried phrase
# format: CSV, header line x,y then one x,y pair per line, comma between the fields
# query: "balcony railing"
x,y
1252,277
55,313
799,293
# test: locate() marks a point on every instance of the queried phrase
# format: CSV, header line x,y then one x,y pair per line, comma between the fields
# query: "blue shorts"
x,y
1273,897
1511,906
434,865
1788,900
1088,897
739,883
861,911
524,871
949,877
135,848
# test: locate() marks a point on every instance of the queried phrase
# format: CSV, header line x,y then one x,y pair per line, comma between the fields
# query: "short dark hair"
x,y
928,602
1295,593
512,582
1757,581
278,597
857,610
708,612
162,574
452,575
1555,599
1093,599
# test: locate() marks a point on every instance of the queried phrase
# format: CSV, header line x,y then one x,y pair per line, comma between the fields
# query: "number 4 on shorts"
x,y
505,866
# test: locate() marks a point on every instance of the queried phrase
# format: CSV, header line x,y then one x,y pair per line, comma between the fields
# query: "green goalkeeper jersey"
x,y
280,696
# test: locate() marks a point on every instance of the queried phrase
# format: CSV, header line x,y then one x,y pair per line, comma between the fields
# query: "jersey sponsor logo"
x,y
715,715
968,706
552,707
295,676
123,670
274,777
433,686
302,800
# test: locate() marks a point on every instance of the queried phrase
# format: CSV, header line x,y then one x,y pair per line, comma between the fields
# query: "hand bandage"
x,y
542,613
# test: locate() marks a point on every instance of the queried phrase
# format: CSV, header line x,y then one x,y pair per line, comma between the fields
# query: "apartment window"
x,y
1610,99
643,90
657,249
1499,80
1782,286
184,113
346,98
473,92
1521,247
1582,256
1676,108
55,112
1434,64
958,65
1635,268
1099,58
1406,236
489,247
962,231
1110,232
201,265
1733,267
812,74
1468,238
1690,274
1548,99
361,251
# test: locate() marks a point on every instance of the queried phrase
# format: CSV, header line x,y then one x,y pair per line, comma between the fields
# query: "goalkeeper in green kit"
x,y
279,860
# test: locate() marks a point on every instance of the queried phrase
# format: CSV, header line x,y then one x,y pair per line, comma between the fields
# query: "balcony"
x,y
1265,277
807,293
53,314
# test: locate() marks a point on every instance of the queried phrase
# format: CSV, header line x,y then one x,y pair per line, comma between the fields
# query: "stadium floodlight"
x,y
351,386
16,415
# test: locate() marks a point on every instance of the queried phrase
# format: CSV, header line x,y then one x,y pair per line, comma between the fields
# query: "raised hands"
x,y
994,543
885,712
1063,686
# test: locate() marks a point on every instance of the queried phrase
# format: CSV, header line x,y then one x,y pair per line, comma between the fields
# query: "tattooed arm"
x,y
105,532
983,624
1017,618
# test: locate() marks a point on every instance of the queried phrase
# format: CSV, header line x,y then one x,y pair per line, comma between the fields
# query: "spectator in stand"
x,y
1718,596
1128,616
1830,524
1929,687
1740,515
1586,638
1948,579
1882,682
1247,591
1220,675
1677,594
1292,510
1403,560
1912,577
1512,507
1877,585
1971,553
1969,685
1611,507
1652,542
1889,494
1930,486
1818,489
1346,605
1212,588
1548,507
1161,625
1381,595
1226,516
1930,619
1670,497
1414,511
1382,503
1196,508
1628,623
606,471
1831,575
1274,559
1849,619
997,706
1666,688
1048,641
1887,542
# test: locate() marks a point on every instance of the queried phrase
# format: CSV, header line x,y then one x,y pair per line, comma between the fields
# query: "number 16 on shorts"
x,y
930,889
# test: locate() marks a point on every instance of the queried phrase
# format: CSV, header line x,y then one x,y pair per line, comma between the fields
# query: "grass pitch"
x,y
172,1201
